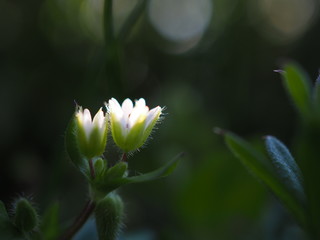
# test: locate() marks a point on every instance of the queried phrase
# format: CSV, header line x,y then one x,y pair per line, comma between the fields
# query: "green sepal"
x,y
72,146
50,227
109,214
95,145
25,216
299,87
134,137
116,131
258,164
148,130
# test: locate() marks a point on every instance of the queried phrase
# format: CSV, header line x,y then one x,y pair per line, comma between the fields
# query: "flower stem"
x,y
124,157
92,172
81,219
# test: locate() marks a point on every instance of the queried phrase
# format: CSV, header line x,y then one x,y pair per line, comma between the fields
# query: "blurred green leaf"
x,y
285,167
317,96
50,223
257,164
298,86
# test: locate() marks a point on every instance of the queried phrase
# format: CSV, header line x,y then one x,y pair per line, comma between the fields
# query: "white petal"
x,y
140,103
99,119
152,114
87,122
127,107
139,113
115,108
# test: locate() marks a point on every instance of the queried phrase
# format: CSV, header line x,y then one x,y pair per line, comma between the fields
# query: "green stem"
x,y
108,22
92,172
81,219
132,20
124,157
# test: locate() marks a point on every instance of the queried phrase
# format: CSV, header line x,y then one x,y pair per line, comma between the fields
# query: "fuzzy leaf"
x,y
285,167
257,164
298,86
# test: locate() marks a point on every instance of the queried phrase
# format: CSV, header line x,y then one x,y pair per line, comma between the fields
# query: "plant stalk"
x,y
81,219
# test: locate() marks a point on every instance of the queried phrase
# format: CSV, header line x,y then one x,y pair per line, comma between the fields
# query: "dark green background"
x,y
47,62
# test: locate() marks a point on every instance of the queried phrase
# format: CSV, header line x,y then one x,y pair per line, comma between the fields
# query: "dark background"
x,y
210,63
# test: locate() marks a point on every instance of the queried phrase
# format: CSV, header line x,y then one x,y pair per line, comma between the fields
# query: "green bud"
x,y
131,125
99,166
109,214
117,171
25,216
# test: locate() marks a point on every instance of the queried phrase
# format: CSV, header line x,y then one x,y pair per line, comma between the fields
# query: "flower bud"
x,y
131,125
91,134
25,216
109,216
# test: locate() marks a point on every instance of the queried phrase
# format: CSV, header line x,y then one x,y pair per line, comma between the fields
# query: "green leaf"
x,y
110,184
159,173
109,215
257,164
298,86
285,167
72,146
50,227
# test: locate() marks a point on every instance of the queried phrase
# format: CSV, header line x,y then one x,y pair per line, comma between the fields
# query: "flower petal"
x,y
98,120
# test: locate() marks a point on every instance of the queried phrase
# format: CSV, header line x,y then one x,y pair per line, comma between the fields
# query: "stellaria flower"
x,y
91,134
131,125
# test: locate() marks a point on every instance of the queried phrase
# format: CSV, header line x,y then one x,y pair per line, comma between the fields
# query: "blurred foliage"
x,y
52,53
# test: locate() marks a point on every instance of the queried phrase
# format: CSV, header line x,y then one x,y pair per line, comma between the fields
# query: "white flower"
x,y
131,125
91,134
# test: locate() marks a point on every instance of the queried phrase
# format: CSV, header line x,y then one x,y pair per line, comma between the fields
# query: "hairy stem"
x,y
81,219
